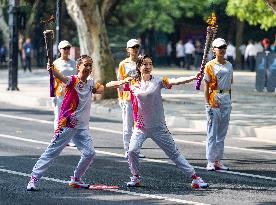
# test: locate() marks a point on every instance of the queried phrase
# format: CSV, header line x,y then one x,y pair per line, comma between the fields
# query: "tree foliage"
x,y
159,15
253,11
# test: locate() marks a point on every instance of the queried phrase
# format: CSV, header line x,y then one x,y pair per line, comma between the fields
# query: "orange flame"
x,y
212,20
50,19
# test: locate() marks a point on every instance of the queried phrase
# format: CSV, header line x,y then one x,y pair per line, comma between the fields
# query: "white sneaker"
x,y
211,166
199,183
78,183
134,182
220,166
141,155
71,144
31,185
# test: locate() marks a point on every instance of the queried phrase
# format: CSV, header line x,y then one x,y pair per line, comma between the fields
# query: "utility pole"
x,y
58,22
13,44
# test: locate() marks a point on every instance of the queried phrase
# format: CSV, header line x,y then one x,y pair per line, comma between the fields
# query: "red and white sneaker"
x,y
199,183
78,183
32,184
220,166
135,181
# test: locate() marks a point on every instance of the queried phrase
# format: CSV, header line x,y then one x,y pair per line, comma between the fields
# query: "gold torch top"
x,y
212,20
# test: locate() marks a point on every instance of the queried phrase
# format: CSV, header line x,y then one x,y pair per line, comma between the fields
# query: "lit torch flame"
x,y
212,20
49,20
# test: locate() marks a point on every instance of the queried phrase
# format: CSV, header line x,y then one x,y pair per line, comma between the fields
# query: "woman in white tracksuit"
x,y
73,124
217,91
149,119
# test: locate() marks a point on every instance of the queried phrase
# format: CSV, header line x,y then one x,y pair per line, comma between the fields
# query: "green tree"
x,y
4,28
89,17
253,11
159,15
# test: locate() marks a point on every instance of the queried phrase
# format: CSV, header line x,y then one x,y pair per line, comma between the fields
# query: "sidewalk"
x,y
253,114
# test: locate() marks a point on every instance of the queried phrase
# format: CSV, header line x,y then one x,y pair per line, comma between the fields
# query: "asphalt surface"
x,y
25,133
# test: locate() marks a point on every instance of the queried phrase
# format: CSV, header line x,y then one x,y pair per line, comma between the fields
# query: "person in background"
x,y
198,54
27,54
242,50
180,54
3,54
189,53
273,46
20,49
169,53
231,53
266,44
250,55
259,47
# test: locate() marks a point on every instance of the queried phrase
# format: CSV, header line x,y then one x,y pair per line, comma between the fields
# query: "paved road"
x,y
25,133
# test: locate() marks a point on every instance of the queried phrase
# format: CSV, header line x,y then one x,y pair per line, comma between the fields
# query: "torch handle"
x,y
49,36
209,38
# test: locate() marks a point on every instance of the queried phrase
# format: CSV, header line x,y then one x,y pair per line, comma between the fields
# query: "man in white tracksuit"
x,y
217,91
67,67
127,68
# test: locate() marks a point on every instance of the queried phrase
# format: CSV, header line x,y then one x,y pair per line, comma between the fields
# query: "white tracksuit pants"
x,y
57,102
163,138
128,123
83,142
217,126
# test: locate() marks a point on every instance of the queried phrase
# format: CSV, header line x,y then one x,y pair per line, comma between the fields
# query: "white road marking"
x,y
254,139
27,119
146,159
228,147
151,196
119,132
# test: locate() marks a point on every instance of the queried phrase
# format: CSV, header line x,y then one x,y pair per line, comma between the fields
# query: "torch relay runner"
x,y
73,123
149,118
218,79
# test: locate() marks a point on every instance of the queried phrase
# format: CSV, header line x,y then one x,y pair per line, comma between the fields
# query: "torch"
x,y
49,37
211,34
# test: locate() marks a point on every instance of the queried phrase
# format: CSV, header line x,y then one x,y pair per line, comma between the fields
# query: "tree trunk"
x,y
4,27
239,40
107,7
94,40
271,4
